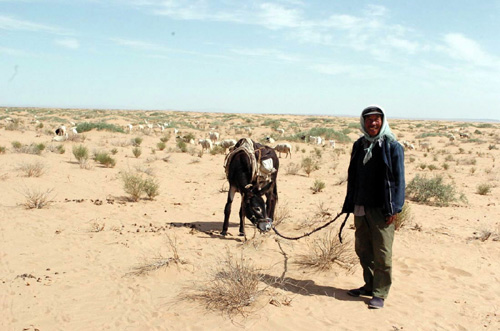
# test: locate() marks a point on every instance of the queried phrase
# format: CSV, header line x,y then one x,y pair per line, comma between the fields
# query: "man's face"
x,y
373,124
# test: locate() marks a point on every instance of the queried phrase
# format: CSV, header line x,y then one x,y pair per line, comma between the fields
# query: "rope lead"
x,y
317,229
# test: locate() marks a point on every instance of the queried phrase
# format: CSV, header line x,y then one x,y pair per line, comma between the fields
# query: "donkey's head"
x,y
255,211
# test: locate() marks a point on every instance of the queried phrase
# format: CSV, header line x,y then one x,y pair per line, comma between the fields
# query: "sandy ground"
x,y
70,265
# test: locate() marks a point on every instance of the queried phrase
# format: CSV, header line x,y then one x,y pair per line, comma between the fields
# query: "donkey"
x,y
240,174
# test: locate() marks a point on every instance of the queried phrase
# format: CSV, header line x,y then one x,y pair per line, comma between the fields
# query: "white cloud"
x,y
9,23
267,53
275,16
353,71
460,47
70,43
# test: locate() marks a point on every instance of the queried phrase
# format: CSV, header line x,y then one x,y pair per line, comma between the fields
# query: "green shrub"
x,y
431,191
3,149
182,145
161,145
318,186
483,189
114,151
165,138
309,165
133,184
16,145
151,187
137,141
432,167
137,151
86,126
81,154
105,159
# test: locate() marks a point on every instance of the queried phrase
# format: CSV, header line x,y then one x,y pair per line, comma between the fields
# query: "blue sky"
x,y
417,59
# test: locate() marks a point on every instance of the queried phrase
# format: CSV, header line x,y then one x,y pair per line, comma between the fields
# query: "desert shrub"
x,y
449,158
491,147
404,217
161,145
114,151
483,189
412,159
137,141
159,262
105,159
446,166
232,287
292,168
217,149
151,187
309,165
86,126
35,169
432,167
133,184
3,149
81,154
37,199
431,191
182,146
326,252
165,138
318,186
137,151
422,166
281,213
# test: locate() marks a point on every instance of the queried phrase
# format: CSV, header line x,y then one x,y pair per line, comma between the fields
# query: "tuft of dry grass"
x,y
35,169
281,213
404,217
37,199
159,262
232,287
326,252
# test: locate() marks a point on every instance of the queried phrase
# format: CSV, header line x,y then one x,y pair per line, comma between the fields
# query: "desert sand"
x,y
74,264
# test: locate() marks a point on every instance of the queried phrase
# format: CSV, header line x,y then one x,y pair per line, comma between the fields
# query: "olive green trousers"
x,y
373,245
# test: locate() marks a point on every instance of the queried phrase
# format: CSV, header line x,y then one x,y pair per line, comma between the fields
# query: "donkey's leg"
x,y
271,200
227,209
242,216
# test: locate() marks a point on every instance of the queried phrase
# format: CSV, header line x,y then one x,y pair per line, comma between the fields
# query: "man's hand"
x,y
390,219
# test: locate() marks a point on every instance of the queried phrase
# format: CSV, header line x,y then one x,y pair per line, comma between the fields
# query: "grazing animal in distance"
x,y
252,170
270,140
214,136
284,148
205,144
227,143
61,131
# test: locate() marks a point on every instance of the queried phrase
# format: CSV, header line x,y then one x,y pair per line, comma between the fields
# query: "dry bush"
x,y
281,213
159,262
309,165
326,252
404,217
35,169
37,199
292,168
232,287
483,189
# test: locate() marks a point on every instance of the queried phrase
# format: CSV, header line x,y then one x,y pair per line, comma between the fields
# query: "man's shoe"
x,y
376,303
360,291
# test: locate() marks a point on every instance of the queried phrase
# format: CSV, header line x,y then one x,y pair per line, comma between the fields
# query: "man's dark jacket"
x,y
394,181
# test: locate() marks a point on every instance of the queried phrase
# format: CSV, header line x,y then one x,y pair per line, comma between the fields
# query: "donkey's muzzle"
x,y
265,224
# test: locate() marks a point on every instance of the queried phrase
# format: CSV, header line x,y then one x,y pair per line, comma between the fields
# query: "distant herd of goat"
x,y
207,144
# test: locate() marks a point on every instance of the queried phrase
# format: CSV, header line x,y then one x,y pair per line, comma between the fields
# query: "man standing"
x,y
375,194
